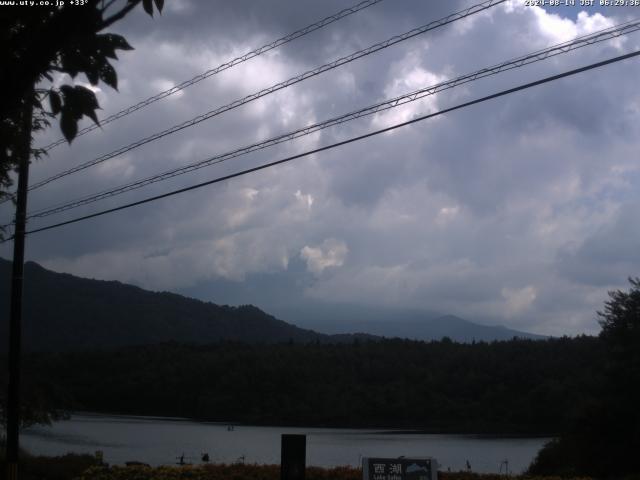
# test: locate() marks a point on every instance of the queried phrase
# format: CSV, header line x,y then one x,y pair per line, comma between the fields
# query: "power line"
x,y
279,86
224,66
606,34
344,142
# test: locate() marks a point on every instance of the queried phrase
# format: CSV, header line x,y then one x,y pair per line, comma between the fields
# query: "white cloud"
x,y
305,199
408,75
331,253
518,301
447,214
163,84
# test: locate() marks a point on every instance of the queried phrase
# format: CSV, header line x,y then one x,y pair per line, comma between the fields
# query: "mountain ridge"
x,y
397,322
111,314
64,312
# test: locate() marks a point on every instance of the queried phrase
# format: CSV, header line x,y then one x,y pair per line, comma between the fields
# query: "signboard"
x,y
399,468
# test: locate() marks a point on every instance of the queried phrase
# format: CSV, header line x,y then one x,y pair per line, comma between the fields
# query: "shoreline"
x,y
377,429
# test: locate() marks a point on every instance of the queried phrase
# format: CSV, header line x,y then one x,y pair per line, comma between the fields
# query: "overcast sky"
x,y
521,211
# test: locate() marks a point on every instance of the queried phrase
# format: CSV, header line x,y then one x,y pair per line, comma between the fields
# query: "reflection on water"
x,y
160,441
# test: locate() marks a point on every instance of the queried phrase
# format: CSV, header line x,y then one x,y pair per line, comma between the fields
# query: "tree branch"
x,y
117,16
107,6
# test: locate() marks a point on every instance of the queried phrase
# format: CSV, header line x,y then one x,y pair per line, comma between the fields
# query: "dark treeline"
x,y
519,386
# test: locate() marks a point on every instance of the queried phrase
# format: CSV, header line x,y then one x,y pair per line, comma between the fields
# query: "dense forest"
x,y
520,386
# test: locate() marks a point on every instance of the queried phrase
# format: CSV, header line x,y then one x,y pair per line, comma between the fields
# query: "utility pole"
x,y
15,321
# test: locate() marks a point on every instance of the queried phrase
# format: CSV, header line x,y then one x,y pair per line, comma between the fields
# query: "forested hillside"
x,y
64,312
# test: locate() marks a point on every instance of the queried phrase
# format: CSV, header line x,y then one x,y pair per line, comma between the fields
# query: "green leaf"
x,y
159,5
89,103
69,126
106,46
66,91
117,41
78,101
148,6
92,115
69,63
92,75
55,101
86,97
109,76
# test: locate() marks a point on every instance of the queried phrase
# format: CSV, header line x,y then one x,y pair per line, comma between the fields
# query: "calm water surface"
x,y
159,441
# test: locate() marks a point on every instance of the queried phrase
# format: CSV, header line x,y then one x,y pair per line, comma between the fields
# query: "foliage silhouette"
x,y
38,42
604,438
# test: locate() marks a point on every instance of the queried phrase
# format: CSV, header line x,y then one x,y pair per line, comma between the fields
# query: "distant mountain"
x,y
64,312
395,322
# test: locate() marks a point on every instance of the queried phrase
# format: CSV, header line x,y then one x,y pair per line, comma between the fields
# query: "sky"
x,y
521,211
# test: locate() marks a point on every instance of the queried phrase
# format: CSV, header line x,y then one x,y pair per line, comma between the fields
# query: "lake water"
x,y
159,441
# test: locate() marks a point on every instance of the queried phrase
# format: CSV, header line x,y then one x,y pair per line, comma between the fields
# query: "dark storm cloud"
x,y
516,211
608,254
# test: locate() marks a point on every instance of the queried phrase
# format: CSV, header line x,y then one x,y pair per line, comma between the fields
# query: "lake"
x,y
160,441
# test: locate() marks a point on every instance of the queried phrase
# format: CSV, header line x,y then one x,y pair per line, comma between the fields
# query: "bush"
x,y
65,467
557,457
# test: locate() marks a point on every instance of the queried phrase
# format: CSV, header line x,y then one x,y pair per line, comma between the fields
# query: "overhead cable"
x,y
338,144
474,9
224,66
606,34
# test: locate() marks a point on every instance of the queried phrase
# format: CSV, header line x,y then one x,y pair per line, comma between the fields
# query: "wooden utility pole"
x,y
15,321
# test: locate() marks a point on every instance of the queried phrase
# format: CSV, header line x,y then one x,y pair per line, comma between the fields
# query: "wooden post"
x,y
293,461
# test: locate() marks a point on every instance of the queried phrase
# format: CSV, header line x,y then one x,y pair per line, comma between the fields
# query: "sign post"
x,y
293,457
402,468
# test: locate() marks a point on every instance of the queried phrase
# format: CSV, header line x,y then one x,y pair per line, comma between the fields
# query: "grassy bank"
x,y
86,467
255,472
